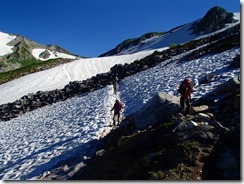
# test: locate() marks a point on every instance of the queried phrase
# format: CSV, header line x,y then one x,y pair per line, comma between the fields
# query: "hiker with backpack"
x,y
117,108
185,90
115,84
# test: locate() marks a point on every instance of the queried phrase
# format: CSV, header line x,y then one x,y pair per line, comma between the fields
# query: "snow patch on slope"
x,y
4,40
53,54
180,35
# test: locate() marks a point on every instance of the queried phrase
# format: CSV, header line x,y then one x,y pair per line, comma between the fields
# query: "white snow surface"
x,y
33,143
178,36
58,77
4,39
53,54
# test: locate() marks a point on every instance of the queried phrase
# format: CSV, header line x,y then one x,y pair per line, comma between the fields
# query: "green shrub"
x,y
173,45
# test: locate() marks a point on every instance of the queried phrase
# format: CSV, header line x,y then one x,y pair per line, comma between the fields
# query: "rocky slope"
x,y
22,53
200,146
158,143
130,42
215,19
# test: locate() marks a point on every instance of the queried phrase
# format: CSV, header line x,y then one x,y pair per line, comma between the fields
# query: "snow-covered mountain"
x,y
18,48
215,20
35,142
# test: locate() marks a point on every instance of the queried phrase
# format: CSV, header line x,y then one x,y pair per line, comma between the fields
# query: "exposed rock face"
x,y
45,54
130,42
227,87
161,107
236,62
219,92
22,50
215,19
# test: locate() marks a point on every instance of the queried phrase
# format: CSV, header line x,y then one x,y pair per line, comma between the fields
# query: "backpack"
x,y
185,84
118,106
181,88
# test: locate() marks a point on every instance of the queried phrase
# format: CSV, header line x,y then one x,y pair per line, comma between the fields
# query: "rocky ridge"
x,y
201,145
22,53
215,19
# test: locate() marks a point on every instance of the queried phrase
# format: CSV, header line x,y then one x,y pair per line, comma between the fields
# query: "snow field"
x,y
137,89
53,54
4,48
58,77
36,141
33,143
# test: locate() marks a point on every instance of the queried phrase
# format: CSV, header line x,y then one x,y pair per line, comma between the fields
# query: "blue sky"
x,y
92,27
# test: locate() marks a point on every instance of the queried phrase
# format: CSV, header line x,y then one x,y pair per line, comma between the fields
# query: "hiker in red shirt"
x,y
185,98
117,108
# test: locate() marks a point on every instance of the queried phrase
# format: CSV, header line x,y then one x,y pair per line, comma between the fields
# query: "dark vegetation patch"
x,y
29,66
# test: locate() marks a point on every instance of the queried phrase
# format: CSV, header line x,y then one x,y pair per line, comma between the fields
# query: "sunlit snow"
x,y
53,55
33,143
58,77
4,40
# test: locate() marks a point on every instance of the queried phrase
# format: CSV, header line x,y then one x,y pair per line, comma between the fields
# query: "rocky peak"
x,y
215,19
22,53
22,48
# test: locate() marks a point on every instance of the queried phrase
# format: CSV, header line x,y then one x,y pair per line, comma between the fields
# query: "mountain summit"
x,y
215,19
18,51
